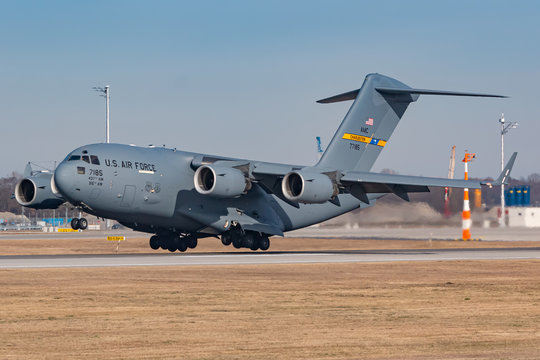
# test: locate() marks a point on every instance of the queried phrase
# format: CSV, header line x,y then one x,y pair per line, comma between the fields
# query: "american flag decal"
x,y
369,121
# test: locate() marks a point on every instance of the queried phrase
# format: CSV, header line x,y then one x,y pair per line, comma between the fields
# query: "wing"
x,y
360,184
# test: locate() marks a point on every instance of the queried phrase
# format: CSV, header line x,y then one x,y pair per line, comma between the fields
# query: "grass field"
x,y
424,310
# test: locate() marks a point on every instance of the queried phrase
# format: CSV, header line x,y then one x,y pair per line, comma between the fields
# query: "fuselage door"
x,y
129,195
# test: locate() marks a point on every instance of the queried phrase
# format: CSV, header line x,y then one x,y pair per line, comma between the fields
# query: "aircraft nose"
x,y
60,180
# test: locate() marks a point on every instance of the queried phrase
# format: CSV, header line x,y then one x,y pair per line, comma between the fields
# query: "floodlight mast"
x,y
106,94
505,127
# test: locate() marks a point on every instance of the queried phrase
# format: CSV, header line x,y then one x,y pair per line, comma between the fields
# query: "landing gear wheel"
x,y
172,244
162,240
191,241
83,224
237,242
264,243
226,238
250,240
75,224
182,245
154,242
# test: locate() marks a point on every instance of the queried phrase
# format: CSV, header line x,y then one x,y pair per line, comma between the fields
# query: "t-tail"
x,y
377,108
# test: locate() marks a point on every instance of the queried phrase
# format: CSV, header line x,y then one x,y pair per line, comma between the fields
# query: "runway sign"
x,y
66,230
116,238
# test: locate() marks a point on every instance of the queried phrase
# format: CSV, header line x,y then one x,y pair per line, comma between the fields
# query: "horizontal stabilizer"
x,y
394,91
351,95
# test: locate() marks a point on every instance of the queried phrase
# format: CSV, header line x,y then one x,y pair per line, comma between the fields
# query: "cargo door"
x,y
129,195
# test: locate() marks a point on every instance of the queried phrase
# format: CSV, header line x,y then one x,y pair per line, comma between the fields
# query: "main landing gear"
x,y
77,224
173,242
245,239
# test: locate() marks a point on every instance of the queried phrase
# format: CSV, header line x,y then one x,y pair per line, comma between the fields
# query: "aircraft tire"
x,y
83,224
182,245
226,238
154,242
237,242
191,241
172,244
75,224
264,243
250,240
162,240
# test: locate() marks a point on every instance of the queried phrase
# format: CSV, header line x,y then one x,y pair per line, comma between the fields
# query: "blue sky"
x,y
240,78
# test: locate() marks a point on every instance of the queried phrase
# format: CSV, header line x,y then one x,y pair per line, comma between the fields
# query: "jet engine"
x,y
221,181
308,187
36,192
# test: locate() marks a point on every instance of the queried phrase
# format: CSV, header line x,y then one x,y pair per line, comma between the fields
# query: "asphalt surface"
x,y
259,258
375,233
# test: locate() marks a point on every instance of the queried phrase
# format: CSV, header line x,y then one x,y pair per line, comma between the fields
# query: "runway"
x,y
208,259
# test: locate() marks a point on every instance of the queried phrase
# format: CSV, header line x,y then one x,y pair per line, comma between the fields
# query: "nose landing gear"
x,y
77,224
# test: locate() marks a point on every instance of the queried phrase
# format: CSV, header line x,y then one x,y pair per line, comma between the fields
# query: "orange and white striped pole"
x,y
466,227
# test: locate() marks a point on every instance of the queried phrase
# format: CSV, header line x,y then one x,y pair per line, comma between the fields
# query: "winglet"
x,y
505,174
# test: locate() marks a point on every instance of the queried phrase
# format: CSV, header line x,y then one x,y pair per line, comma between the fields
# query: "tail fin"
x,y
377,108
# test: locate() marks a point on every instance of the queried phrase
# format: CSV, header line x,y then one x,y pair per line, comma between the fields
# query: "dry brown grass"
x,y
450,310
139,244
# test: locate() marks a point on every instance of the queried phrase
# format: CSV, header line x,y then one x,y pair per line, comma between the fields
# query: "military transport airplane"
x,y
182,196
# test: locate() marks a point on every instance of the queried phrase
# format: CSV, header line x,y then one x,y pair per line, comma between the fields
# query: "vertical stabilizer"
x,y
377,108
368,125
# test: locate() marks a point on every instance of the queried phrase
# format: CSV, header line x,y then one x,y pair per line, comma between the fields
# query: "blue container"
x,y
526,195
519,196
510,197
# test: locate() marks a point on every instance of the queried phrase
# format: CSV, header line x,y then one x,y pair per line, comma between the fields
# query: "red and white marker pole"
x,y
466,227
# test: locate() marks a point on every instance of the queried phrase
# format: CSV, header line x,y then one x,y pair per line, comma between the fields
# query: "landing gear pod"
x,y
307,187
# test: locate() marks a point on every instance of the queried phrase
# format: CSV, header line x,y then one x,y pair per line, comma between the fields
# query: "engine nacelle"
x,y
36,192
308,187
220,181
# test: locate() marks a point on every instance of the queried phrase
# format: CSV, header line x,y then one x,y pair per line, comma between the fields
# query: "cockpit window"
x,y
94,159
74,157
85,158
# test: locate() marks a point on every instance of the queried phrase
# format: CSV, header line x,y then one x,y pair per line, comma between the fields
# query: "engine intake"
x,y
35,192
308,187
220,181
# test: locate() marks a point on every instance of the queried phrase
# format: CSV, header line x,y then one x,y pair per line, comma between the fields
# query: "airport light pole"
x,y
505,127
105,92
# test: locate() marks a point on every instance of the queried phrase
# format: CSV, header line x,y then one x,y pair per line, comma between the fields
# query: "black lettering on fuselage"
x,y
127,164
364,130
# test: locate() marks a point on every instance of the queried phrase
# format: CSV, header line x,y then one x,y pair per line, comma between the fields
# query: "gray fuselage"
x,y
152,189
